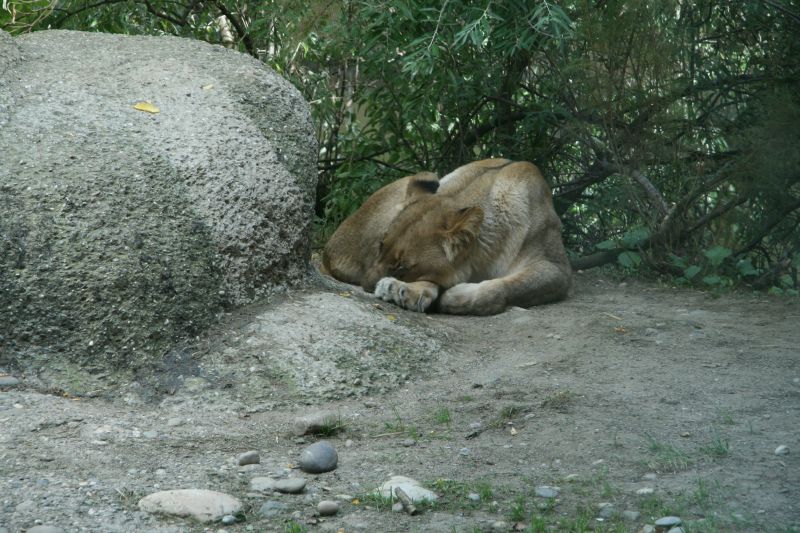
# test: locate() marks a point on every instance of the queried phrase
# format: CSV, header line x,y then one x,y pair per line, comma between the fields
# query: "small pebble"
x,y
650,476
318,458
782,450
44,529
545,491
228,520
463,451
7,382
644,491
647,529
474,496
668,522
408,443
249,458
327,507
633,516
606,510
499,525
675,530
397,507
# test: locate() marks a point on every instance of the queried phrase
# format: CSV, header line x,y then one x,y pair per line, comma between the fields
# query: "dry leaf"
x,y
513,430
207,87
147,107
391,317
345,294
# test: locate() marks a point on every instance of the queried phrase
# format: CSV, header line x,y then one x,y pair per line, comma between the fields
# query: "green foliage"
x,y
666,129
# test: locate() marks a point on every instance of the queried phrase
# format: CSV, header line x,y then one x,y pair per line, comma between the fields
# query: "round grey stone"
x,y
228,520
474,496
408,443
7,382
249,458
318,458
271,508
668,521
327,507
606,510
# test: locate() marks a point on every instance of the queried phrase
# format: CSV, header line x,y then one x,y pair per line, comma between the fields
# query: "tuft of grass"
x,y
538,525
506,415
701,495
399,426
561,401
667,457
518,509
454,494
719,447
294,527
377,501
442,415
331,427
129,498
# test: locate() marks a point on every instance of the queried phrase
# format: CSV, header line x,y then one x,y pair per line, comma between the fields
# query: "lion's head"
x,y
426,240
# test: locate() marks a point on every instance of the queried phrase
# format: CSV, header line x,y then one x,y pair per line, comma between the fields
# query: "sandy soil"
x,y
626,386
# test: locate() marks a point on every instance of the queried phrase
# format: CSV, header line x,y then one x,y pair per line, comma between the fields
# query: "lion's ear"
x,y
421,184
461,230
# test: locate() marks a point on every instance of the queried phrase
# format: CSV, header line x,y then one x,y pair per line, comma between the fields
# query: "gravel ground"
x,y
628,403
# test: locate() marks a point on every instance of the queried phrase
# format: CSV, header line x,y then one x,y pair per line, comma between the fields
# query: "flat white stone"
x,y
412,487
202,505
292,485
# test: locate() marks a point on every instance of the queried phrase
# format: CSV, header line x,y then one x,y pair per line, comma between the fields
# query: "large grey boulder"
x,y
123,232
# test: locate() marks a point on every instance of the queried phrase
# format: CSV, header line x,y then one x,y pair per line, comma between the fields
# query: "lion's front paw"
x,y
406,295
388,289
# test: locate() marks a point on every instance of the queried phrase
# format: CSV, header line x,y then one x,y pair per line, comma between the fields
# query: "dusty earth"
x,y
625,386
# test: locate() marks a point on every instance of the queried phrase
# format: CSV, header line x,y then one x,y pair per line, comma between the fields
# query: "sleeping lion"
x,y
481,239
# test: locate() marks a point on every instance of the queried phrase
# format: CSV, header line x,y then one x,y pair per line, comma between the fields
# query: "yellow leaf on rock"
x,y
391,317
207,87
147,107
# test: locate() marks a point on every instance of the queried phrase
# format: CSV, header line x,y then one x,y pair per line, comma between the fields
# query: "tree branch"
x,y
772,221
652,193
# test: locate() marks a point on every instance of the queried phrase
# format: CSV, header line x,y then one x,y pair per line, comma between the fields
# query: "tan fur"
x,y
489,238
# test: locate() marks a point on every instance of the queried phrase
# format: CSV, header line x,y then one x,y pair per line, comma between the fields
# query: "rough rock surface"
x,y
124,232
201,505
